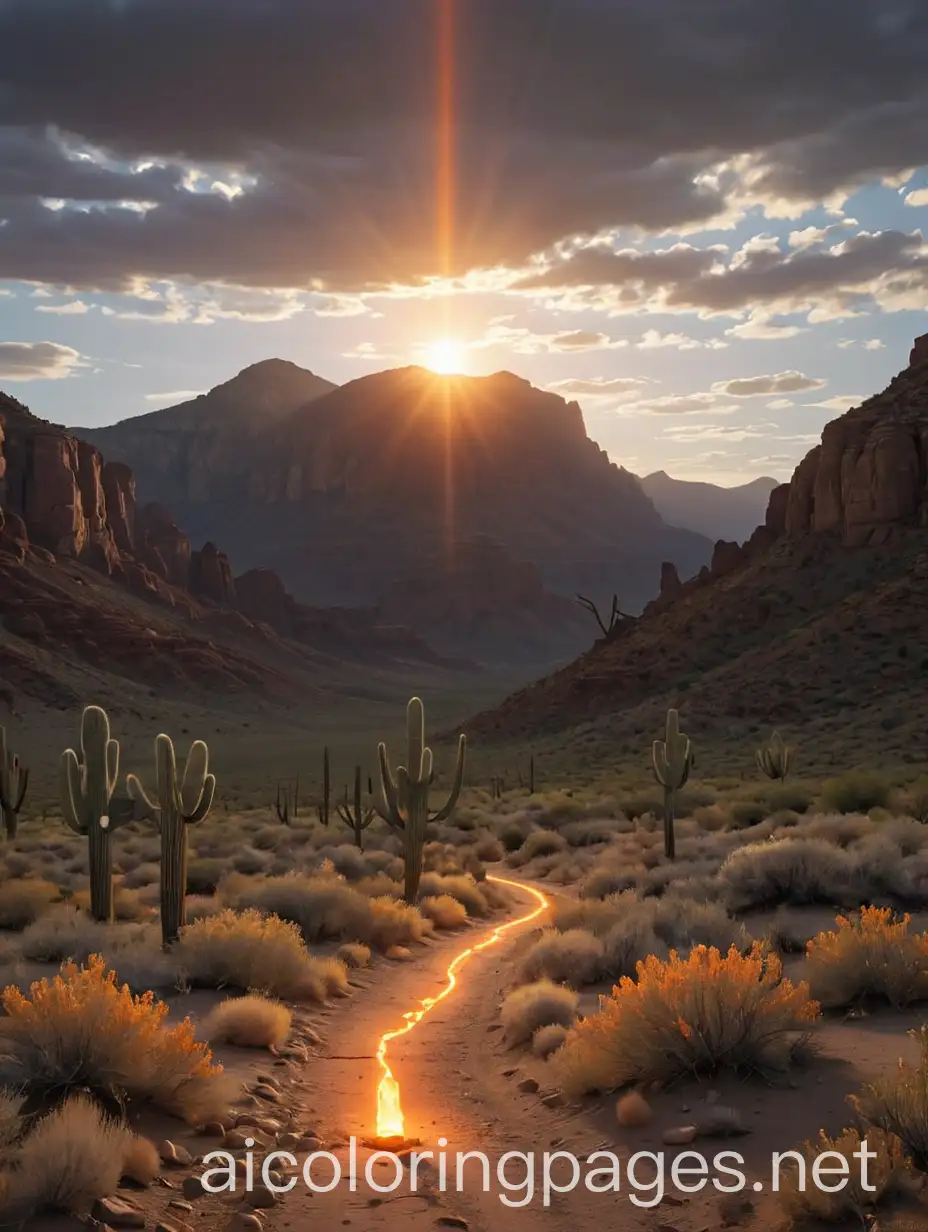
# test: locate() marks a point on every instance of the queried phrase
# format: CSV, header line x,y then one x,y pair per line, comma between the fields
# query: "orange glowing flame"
x,y
390,1122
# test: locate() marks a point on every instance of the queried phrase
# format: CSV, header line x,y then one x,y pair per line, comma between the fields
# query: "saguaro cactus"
x,y
356,817
14,780
775,758
672,758
323,807
86,788
406,797
177,808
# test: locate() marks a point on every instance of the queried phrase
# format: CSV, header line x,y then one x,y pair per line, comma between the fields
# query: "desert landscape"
x,y
462,702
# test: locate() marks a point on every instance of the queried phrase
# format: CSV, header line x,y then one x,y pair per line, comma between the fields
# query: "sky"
x,y
702,219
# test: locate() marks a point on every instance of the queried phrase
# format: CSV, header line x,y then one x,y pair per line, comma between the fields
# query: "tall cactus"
x,y
406,797
323,807
14,780
775,758
672,759
177,808
86,787
357,818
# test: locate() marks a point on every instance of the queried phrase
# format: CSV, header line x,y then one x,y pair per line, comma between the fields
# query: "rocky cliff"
x,y
821,614
353,490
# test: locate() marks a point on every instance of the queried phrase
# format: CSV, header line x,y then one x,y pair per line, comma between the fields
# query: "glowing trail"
x,y
390,1122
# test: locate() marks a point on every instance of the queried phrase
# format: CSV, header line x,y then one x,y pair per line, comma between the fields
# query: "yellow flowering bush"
x,y
686,1016
889,1174
872,955
83,1031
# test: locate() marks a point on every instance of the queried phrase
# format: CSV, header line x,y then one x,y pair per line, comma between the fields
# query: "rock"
x,y
310,1143
919,354
670,581
726,557
633,1110
452,1221
174,1154
287,1142
176,1225
162,545
399,953
262,1198
119,494
720,1121
193,1188
261,595
118,1213
554,1100
265,1092
178,1204
242,1221
528,1086
680,1135
210,576
213,1129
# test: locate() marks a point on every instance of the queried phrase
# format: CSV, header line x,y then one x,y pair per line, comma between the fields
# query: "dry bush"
x,y
23,901
591,833
547,1040
248,1022
141,1162
798,871
857,791
747,813
897,1102
871,955
333,973
574,957
81,1030
204,875
71,1158
147,874
688,1016
476,900
789,797
889,1175
395,923
323,907
199,906
489,850
537,1005
712,817
128,905
11,1123
253,952
538,843
444,911
64,932
354,954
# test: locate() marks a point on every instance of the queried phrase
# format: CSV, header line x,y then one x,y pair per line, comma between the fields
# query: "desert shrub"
x,y
547,1040
688,1016
889,1174
354,954
11,1123
146,874
590,833
141,1162
489,850
897,1102
871,955
639,806
537,1005
711,817
73,1156
789,797
476,899
204,875
798,871
82,1031
250,951
856,791
248,1022
250,863
574,957
789,932
333,973
745,813
395,923
63,932
539,843
917,800
322,907
23,901
128,905
512,837
444,911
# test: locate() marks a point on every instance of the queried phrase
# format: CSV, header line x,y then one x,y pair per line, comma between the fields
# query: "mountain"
x,y
707,508
94,589
353,491
817,623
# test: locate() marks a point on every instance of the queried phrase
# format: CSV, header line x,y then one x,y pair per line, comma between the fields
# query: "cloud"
x,y
37,361
867,344
175,397
918,197
525,341
73,308
681,404
841,402
756,386
606,388
762,328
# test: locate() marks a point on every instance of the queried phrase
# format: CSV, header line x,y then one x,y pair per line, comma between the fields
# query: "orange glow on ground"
x,y
390,1122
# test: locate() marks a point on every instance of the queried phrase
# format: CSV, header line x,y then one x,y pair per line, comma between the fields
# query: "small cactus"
x,y
775,758
323,808
406,797
356,817
86,788
672,759
177,808
14,780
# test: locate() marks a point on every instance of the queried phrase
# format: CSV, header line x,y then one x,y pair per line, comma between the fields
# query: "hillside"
x,y
97,593
347,495
817,623
707,508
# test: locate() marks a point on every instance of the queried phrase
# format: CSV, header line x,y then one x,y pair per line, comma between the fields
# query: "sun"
x,y
445,355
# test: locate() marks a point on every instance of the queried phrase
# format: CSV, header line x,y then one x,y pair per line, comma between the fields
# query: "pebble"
x,y
554,1100
528,1086
243,1222
262,1198
452,1221
178,1204
721,1122
118,1214
399,953
176,1226
174,1153
633,1110
680,1135
193,1187
214,1129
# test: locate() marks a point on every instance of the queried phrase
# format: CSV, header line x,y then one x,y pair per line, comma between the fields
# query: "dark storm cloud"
x,y
573,116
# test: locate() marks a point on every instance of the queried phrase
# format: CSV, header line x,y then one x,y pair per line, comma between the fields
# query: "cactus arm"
x,y
112,766
145,806
20,796
415,739
205,802
451,803
70,790
193,781
390,812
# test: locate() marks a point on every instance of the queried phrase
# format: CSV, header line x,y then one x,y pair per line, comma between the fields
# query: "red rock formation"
x,y
261,596
119,492
726,557
162,546
210,576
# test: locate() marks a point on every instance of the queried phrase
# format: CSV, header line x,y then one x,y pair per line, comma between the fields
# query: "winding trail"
x,y
390,1119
